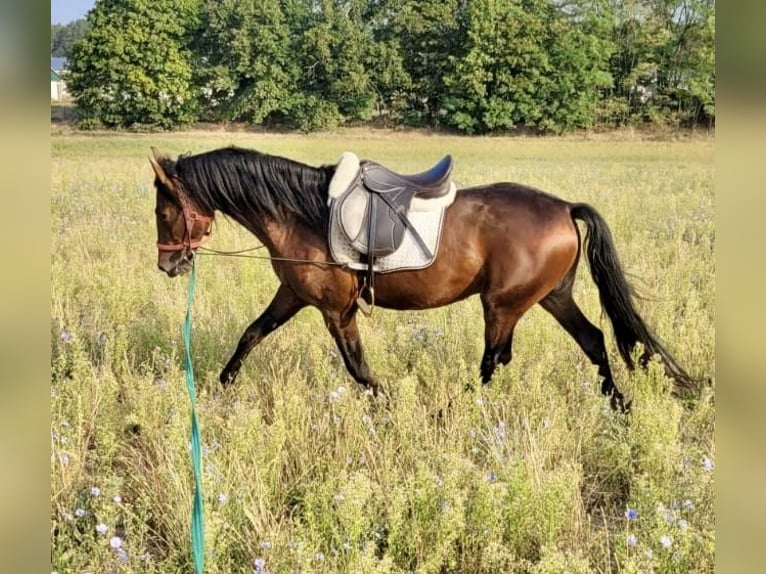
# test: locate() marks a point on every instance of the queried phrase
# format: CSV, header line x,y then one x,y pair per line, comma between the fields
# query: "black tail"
x,y
616,296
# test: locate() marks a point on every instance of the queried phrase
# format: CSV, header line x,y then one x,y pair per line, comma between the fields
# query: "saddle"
x,y
372,206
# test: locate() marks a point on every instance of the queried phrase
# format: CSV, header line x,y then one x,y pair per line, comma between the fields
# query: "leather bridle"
x,y
190,217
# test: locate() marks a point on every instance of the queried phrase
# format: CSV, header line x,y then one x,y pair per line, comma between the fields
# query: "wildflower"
x,y
79,512
115,542
122,556
265,545
319,556
631,514
68,517
259,564
688,504
222,498
95,491
666,541
102,528
117,499
64,459
66,337
682,524
707,464
492,477
632,540
346,546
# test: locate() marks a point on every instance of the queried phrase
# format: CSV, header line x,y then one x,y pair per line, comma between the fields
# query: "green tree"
x,y
333,44
63,36
132,68
432,38
531,63
246,69
664,63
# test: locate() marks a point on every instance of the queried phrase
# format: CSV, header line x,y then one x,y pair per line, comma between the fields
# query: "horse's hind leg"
x,y
499,323
562,306
281,309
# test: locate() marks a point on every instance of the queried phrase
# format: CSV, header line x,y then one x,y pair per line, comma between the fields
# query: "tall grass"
x,y
302,472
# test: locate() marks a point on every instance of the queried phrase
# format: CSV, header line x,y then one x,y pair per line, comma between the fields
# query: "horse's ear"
x,y
159,171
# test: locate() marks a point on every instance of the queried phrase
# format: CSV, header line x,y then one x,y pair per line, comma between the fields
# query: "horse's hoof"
x,y
227,378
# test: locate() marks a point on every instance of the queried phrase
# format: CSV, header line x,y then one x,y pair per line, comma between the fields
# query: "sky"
x,y
65,11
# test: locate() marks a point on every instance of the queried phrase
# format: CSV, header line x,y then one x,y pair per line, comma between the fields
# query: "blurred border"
x,y
740,287
24,289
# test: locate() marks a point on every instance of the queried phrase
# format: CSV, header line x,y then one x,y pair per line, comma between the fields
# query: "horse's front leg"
x,y
281,309
343,328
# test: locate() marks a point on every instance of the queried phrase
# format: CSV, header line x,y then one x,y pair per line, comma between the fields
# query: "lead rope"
x,y
197,522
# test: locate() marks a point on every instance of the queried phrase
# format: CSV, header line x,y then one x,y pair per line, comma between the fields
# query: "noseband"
x,y
190,217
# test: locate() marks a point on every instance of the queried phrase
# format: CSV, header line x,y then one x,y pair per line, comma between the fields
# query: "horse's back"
x,y
501,234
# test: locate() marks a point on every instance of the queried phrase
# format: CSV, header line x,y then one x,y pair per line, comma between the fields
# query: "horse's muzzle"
x,y
175,263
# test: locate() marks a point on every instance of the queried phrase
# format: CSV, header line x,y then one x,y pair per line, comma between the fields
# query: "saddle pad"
x,y
408,256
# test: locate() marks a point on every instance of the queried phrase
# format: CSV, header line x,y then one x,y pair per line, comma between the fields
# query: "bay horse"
x,y
511,244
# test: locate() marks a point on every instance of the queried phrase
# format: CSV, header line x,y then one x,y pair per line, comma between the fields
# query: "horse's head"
x,y
181,227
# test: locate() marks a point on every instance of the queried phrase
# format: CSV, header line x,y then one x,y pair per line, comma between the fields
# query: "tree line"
x,y
475,66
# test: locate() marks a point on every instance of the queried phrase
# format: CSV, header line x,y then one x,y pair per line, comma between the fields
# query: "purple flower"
x,y
95,491
632,540
115,542
492,477
707,464
79,512
265,545
666,541
117,499
631,514
222,498
102,528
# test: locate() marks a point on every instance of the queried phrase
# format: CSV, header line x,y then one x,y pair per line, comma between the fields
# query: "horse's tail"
x,y
617,295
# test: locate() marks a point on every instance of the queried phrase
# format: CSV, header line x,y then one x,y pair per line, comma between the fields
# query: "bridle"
x,y
190,217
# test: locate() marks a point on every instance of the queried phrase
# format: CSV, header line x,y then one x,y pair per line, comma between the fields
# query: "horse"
x,y
513,245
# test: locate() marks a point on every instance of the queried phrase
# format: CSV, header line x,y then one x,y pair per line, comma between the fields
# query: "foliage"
x,y
531,474
243,62
664,63
63,36
528,63
478,67
131,69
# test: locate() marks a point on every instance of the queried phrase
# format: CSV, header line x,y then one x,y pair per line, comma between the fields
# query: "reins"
x,y
243,253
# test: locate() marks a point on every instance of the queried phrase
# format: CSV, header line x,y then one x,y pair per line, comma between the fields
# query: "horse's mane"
x,y
248,185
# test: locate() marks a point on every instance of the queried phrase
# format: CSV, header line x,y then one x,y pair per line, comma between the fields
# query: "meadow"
x,y
302,472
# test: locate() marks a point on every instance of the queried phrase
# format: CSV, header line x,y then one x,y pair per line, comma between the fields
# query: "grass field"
x,y
531,474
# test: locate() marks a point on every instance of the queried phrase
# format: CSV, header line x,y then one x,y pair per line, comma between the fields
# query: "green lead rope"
x,y
197,524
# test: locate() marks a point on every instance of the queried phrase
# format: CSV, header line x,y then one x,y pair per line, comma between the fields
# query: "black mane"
x,y
248,186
